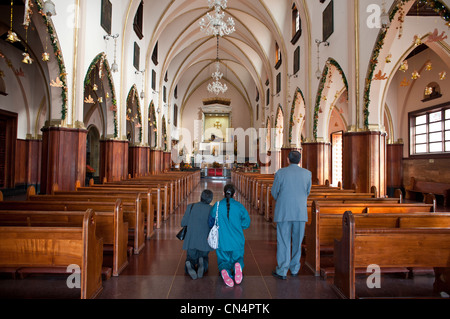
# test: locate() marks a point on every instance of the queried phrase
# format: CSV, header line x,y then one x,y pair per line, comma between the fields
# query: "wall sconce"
x,y
114,66
325,43
142,95
49,8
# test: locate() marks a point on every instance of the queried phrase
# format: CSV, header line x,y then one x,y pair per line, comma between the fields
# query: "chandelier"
x,y
217,87
214,24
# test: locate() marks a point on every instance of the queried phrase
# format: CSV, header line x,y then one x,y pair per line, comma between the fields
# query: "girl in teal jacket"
x,y
233,218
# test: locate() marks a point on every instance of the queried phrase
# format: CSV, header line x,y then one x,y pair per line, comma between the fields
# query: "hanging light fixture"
x,y
114,66
49,8
217,87
12,36
214,24
384,17
318,42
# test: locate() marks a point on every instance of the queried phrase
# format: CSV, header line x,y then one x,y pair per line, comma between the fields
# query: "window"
x,y
137,56
153,80
296,60
430,131
277,56
278,83
155,54
296,25
328,21
138,22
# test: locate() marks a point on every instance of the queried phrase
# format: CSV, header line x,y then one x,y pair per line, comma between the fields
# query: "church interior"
x,y
115,115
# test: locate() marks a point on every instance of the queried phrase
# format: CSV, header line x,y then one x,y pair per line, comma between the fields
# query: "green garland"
x,y
321,88
152,114
318,98
291,120
87,81
134,91
58,54
164,132
438,7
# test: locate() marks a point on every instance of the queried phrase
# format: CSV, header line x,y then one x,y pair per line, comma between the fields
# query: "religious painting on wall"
x,y
215,127
106,16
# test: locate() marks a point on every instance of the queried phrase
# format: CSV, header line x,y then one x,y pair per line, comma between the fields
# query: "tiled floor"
x,y
158,272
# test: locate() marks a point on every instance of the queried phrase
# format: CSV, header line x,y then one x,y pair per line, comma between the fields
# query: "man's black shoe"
x,y
274,273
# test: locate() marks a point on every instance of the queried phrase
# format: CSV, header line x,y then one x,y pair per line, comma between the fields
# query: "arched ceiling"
x,y
188,55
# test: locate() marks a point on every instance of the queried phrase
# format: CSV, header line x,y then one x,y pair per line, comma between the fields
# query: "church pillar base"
x,y
364,162
63,158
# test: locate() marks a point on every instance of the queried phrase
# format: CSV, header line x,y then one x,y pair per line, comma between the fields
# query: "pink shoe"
x,y
226,278
238,273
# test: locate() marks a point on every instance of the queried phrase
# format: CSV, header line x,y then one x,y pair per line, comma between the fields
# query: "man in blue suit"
x,y
290,189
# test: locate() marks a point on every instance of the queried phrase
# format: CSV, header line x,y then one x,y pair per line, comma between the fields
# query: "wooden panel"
x,y
317,159
113,160
364,161
156,161
28,162
63,158
138,161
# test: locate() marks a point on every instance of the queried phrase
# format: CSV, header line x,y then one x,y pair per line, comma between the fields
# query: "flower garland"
x,y
59,58
330,62
164,132
102,62
318,99
291,120
438,7
152,119
133,95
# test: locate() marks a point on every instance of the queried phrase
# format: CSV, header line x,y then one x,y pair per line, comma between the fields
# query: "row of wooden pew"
x,y
89,226
358,230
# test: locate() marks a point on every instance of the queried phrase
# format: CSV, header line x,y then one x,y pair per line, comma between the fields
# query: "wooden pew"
x,y
144,194
325,226
386,247
133,209
57,247
270,201
424,188
159,195
110,223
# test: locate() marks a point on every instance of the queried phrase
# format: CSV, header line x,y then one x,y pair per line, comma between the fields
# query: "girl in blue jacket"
x,y
233,218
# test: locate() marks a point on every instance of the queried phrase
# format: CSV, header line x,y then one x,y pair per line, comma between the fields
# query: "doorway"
x,y
93,155
336,158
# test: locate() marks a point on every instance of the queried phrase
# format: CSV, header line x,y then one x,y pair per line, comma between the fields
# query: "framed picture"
x,y
328,21
106,16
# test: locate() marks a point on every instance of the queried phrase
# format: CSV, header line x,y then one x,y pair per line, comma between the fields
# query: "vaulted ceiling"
x,y
188,55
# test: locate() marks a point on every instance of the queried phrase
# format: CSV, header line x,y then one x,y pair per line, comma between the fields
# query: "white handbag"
x,y
213,237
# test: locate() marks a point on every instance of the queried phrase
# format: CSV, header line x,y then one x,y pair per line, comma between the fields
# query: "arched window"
x,y
296,25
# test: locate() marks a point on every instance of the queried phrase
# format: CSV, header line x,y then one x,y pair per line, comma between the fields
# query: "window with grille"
x,y
430,131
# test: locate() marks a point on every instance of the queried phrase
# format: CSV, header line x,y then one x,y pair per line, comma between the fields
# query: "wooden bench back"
x,y
386,247
57,246
132,213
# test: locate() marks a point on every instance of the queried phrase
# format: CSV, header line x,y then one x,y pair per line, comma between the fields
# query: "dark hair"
x,y
295,157
207,196
229,191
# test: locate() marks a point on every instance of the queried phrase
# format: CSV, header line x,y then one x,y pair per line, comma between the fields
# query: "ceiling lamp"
x,y
217,87
214,24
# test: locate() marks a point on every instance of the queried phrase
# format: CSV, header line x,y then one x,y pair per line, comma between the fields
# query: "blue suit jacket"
x,y
291,189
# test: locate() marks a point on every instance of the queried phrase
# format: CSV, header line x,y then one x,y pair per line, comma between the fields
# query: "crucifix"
x,y
217,125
